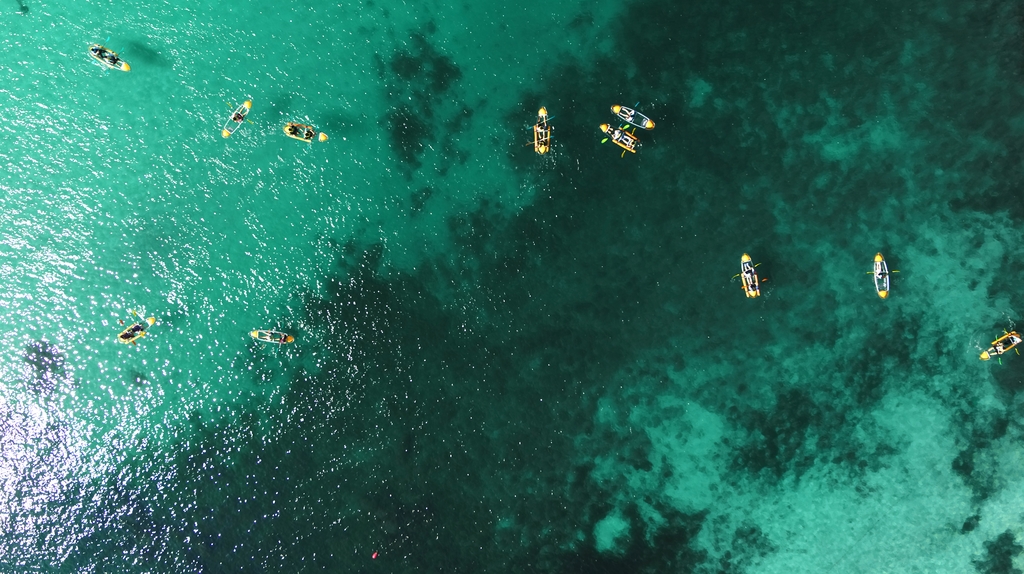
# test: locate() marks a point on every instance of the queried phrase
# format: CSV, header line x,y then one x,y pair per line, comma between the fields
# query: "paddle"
x,y
755,265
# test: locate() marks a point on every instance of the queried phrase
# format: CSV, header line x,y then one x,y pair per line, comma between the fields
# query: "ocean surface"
x,y
508,362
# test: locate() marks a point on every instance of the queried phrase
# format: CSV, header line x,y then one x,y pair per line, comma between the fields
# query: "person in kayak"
x,y
105,55
623,138
1002,347
130,333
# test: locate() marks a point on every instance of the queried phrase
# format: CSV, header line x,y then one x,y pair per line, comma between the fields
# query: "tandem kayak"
x,y
136,331
751,285
621,138
542,133
272,337
108,58
633,117
302,132
1002,345
237,117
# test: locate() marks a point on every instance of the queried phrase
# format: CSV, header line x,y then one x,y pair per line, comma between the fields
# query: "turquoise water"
x,y
508,362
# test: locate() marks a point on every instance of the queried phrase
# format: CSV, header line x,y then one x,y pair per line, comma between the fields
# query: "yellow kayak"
x,y
542,133
108,58
272,337
621,137
136,331
1002,345
302,132
751,284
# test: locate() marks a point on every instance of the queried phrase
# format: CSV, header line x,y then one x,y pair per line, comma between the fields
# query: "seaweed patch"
x,y
49,366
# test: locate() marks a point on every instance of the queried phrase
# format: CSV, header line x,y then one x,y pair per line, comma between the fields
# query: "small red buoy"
x,y
374,556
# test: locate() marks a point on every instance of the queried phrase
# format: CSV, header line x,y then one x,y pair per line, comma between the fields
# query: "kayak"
x,y
542,133
751,285
633,117
621,137
881,276
302,132
1002,345
236,119
272,337
108,58
136,331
